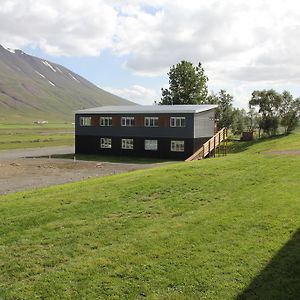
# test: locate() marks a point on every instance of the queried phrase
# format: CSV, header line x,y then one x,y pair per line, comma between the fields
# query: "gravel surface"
x,y
18,173
34,152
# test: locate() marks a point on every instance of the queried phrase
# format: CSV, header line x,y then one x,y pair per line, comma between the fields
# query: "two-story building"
x,y
167,131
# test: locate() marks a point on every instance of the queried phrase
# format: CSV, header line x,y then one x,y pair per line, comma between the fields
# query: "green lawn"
x,y
224,228
31,136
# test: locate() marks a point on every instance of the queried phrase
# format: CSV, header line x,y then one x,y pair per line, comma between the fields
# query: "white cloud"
x,y
60,28
136,93
240,42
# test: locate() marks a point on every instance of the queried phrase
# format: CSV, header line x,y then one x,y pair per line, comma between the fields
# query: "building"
x,y
167,131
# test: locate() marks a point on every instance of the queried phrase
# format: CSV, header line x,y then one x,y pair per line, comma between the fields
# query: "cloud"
x,y
59,28
239,42
136,93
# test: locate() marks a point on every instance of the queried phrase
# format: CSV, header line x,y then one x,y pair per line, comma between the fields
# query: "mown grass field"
x,y
31,136
224,228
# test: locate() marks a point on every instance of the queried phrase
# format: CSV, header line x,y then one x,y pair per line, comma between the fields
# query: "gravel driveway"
x,y
35,152
18,173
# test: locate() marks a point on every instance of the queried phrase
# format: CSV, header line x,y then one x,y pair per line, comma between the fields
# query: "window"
x,y
151,122
177,121
85,121
105,143
105,121
151,145
177,146
127,143
127,121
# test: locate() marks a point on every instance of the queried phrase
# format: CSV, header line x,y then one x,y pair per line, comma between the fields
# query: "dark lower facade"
x,y
90,144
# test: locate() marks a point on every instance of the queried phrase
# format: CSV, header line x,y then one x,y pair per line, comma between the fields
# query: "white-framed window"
x,y
151,121
85,121
105,121
127,143
127,121
151,145
177,122
177,146
105,143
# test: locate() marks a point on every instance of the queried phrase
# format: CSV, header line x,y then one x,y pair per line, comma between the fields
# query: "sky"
x,y
128,47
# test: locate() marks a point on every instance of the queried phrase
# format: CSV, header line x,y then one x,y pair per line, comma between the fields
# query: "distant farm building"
x,y
167,131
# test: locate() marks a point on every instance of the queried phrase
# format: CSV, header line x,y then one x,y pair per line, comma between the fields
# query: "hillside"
x,y
34,88
223,228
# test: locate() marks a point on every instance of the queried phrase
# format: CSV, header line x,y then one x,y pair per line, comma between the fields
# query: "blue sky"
x,y
127,47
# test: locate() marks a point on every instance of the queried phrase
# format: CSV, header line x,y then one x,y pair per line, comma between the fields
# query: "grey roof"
x,y
157,109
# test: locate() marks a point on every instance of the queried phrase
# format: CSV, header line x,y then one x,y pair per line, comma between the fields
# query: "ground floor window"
x,y
151,145
105,143
177,146
127,143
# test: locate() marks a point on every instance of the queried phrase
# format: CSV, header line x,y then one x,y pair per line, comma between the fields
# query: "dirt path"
x,y
34,152
28,173
285,152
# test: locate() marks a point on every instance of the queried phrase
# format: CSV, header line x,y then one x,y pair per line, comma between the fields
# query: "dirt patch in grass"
x,y
285,152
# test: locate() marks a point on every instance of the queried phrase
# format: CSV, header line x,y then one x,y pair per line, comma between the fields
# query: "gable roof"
x,y
157,109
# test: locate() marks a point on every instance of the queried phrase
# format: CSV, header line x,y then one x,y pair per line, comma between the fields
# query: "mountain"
x,y
32,88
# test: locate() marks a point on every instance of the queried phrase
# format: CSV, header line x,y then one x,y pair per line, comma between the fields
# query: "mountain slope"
x,y
31,87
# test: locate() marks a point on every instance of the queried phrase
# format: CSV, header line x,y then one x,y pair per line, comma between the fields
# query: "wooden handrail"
x,y
210,145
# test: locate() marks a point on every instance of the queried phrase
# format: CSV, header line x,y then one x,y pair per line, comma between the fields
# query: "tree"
x,y
268,103
187,85
289,112
224,111
253,119
239,121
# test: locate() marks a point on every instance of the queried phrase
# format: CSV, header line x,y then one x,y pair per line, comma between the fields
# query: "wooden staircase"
x,y
210,146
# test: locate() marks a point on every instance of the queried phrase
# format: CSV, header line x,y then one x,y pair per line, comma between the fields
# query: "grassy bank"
x,y
224,228
30,136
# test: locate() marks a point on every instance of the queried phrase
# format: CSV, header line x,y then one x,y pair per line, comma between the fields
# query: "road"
x,y
35,152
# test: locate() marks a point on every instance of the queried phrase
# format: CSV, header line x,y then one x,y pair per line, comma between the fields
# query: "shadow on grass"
x,y
280,279
112,158
237,146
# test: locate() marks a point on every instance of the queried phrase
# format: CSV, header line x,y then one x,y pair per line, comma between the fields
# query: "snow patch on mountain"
x,y
10,50
48,65
40,74
74,77
59,70
51,83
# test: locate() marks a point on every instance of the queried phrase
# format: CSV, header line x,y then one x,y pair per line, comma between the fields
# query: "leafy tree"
x,y
240,121
289,112
268,103
224,111
187,85
253,119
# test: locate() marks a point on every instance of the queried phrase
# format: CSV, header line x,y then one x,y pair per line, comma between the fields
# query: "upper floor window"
x,y
151,145
105,142
127,143
85,121
177,146
151,121
127,121
177,121
105,121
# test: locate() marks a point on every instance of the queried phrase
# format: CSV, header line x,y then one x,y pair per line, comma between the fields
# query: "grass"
x,y
224,228
30,136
